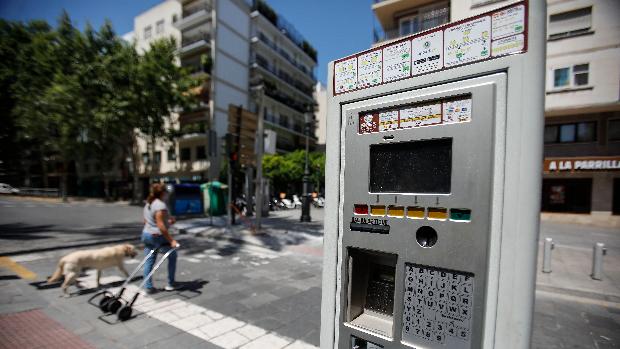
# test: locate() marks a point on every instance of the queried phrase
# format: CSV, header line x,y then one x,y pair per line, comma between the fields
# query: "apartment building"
x,y
232,45
581,179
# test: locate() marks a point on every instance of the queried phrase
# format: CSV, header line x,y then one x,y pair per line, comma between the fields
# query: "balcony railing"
x,y
189,40
188,11
286,56
260,61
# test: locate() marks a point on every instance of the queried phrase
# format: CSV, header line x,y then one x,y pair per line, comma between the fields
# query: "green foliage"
x,y
288,169
72,95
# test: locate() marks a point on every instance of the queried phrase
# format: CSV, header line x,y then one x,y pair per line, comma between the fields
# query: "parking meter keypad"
x,y
438,306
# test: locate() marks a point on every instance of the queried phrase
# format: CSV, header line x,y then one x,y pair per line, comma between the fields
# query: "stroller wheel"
x,y
124,313
114,305
103,303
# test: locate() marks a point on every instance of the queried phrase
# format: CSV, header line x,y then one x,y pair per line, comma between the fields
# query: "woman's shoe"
x,y
170,288
151,290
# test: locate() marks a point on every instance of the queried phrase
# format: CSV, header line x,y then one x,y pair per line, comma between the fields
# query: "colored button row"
x,y
414,212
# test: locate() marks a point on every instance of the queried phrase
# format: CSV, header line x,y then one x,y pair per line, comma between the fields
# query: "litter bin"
x,y
214,197
185,199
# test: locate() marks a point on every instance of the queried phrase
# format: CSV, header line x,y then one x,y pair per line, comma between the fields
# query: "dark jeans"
x,y
158,242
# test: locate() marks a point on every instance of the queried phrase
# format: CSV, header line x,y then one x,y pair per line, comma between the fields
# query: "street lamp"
x,y
305,204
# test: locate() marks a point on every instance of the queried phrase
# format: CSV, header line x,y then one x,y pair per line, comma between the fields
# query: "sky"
x,y
336,28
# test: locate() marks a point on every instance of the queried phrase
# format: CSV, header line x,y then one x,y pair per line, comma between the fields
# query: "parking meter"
x,y
433,174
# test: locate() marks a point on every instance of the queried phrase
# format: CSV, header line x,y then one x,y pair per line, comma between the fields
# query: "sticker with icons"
x,y
427,53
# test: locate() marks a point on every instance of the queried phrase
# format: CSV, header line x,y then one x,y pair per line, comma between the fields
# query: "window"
x,y
172,154
159,27
157,158
571,133
186,154
571,23
561,77
613,130
580,74
574,76
174,18
201,152
147,32
425,18
145,158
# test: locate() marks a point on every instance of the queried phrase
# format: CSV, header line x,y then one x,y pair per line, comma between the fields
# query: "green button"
x,y
457,214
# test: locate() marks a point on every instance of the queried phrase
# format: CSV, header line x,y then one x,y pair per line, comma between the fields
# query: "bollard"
x,y
547,247
597,260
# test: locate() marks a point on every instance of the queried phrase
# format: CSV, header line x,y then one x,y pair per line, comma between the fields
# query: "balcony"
x,y
194,43
288,59
194,14
292,83
386,9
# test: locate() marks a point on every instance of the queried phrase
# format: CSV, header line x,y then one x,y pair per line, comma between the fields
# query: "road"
x,y
260,292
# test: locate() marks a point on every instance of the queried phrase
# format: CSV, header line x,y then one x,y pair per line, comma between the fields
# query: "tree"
x,y
286,171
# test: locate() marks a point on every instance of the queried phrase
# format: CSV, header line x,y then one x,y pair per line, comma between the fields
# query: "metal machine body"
x,y
432,187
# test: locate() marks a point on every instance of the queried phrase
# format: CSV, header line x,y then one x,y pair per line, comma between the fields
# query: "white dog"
x,y
72,264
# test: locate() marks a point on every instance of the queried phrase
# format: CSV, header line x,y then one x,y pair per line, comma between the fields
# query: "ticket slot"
x,y
370,228
370,302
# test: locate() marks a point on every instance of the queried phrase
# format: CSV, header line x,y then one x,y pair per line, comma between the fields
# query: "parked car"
x,y
296,201
318,202
7,189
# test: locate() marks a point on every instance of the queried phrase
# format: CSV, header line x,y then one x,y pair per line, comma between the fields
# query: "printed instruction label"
x,y
345,75
508,22
423,115
438,306
427,53
458,110
397,61
508,45
369,69
468,42
388,120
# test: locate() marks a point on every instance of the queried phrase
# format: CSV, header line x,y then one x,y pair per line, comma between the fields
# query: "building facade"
x,y
232,46
581,179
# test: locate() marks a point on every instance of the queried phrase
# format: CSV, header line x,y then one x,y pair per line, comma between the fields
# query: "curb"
x,y
579,293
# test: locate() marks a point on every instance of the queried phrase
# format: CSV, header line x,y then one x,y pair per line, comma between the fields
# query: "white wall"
x,y
164,11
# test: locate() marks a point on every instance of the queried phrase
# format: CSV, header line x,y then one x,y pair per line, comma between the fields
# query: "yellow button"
x,y
415,212
396,211
437,213
377,210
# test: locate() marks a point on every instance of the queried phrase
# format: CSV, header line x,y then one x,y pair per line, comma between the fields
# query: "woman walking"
x,y
155,235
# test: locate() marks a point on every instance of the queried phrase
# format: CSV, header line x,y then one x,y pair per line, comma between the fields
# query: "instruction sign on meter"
x,y
433,181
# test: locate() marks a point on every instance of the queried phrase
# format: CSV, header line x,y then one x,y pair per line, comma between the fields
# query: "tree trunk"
x,y
65,180
106,188
44,170
136,197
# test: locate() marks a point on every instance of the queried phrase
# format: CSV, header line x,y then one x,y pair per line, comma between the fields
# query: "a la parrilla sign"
x,y
607,163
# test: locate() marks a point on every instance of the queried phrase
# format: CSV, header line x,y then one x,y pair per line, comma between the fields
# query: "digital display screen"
x,y
423,167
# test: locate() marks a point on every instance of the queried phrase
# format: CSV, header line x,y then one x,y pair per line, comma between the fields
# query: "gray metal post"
x,y
260,147
599,251
547,247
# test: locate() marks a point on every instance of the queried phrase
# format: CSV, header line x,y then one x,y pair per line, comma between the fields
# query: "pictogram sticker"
x,y
345,75
397,61
438,306
508,22
508,45
458,110
427,52
468,42
369,69
369,123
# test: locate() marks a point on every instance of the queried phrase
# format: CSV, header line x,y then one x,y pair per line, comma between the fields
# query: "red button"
x,y
360,209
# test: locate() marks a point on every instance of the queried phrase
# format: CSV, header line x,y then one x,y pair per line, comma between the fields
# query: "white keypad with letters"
x,y
438,306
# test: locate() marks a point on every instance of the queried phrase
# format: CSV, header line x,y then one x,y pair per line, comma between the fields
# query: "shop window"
x,y
567,195
571,133
186,154
172,154
613,130
201,152
615,209
570,23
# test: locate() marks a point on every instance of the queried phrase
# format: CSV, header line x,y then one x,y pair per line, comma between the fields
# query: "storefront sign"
x,y
582,164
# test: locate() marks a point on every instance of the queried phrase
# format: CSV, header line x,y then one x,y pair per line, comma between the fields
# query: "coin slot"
x,y
370,303
426,236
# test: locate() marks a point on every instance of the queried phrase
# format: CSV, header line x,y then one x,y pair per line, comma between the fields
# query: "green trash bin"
x,y
214,194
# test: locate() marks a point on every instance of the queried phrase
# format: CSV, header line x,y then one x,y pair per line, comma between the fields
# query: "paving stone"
x,y
230,340
251,331
191,322
270,341
300,345
221,326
